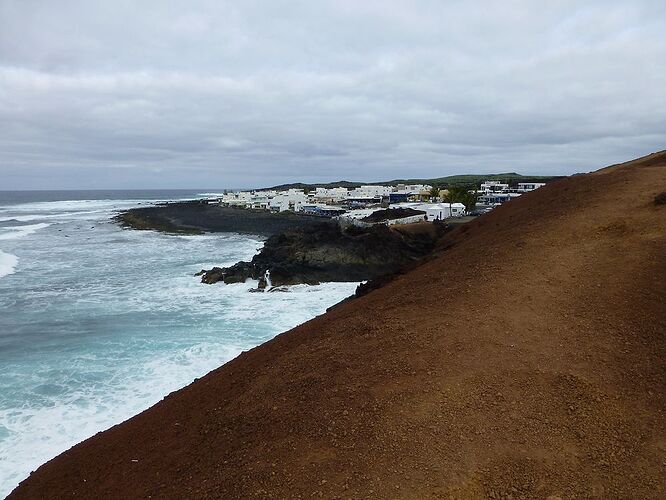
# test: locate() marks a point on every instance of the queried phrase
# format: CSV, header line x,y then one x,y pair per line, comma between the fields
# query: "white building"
x,y
371,191
333,194
436,211
293,200
412,188
494,187
497,198
258,202
441,211
524,187
240,198
496,192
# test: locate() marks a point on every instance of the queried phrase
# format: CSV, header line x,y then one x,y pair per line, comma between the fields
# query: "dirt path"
x,y
526,360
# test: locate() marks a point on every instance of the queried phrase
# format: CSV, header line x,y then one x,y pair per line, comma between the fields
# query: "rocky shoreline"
x,y
197,217
299,249
327,252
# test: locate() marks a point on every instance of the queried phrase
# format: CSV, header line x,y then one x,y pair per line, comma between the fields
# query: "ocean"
x,y
98,323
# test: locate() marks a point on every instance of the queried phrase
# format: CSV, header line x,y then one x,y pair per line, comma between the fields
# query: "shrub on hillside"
x,y
660,199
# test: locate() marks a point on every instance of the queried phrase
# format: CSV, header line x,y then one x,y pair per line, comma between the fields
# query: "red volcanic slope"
x,y
525,360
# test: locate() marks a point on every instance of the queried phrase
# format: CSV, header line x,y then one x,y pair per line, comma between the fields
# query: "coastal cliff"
x,y
525,359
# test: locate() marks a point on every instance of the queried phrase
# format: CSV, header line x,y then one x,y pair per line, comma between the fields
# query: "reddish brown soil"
x,y
526,360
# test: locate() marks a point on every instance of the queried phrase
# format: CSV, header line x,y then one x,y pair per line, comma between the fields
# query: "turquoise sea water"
x,y
98,323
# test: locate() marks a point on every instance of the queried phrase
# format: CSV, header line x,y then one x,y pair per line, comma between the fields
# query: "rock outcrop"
x,y
392,214
326,252
196,217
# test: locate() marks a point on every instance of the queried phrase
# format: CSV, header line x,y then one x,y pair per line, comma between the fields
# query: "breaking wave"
x,y
8,263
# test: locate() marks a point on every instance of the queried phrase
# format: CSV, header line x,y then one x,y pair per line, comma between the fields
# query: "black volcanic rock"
x,y
196,217
326,252
392,214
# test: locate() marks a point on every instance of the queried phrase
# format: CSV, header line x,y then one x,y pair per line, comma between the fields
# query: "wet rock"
x,y
327,252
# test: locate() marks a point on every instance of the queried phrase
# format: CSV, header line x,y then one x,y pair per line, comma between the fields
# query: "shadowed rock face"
x,y
393,213
328,253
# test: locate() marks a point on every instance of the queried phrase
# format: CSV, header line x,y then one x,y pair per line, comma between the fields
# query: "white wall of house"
x,y
407,220
412,188
524,187
440,211
494,187
334,194
369,191
280,203
435,210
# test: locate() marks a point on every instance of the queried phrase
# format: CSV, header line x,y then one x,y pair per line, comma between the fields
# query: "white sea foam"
x,y
8,263
48,216
121,322
129,379
34,435
21,218
81,205
69,205
16,232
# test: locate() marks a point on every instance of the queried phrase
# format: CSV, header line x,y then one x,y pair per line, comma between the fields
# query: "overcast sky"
x,y
140,94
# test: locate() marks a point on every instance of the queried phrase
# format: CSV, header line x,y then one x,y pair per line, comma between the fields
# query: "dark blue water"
x,y
16,197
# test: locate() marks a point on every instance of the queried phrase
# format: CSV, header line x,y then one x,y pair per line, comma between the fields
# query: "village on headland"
x,y
336,232
380,204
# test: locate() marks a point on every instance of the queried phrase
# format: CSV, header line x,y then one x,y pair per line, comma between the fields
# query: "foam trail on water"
x,y
60,215
15,232
8,263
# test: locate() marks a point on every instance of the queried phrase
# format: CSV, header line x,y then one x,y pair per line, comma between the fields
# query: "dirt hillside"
x,y
525,360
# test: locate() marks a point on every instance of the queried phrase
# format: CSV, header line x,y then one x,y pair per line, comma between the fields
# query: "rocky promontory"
x,y
198,217
327,252
300,248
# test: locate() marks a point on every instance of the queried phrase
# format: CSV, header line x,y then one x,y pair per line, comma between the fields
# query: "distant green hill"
x,y
469,180
301,185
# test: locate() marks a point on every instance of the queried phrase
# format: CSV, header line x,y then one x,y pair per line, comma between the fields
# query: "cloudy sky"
x,y
159,93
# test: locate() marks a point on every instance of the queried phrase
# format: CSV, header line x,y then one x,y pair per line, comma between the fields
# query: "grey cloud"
x,y
214,93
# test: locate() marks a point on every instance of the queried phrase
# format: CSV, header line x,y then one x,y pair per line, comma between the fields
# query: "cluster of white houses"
x,y
494,193
357,203
296,199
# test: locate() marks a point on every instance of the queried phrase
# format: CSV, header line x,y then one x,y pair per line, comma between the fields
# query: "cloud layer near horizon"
x,y
216,93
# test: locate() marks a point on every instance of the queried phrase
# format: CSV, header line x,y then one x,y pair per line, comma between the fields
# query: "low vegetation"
x,y
461,194
660,199
469,181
